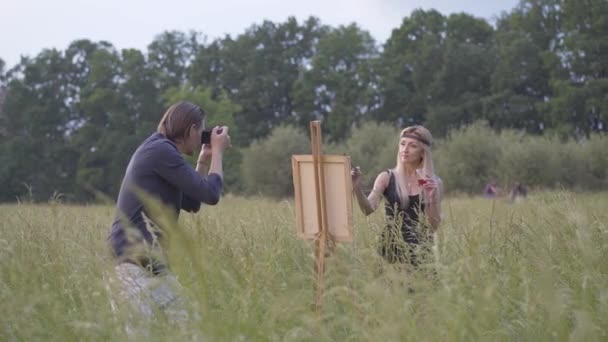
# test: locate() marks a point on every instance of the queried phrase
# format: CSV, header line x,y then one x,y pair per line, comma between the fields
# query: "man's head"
x,y
183,123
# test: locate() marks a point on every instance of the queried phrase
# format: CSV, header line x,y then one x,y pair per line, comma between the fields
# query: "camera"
x,y
206,136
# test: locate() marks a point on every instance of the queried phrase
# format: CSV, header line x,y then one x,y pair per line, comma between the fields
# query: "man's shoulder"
x,y
155,148
157,143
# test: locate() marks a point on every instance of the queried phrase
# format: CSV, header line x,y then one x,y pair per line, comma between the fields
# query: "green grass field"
x,y
530,271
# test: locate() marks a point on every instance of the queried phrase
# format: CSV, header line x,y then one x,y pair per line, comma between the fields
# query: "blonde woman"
x,y
412,194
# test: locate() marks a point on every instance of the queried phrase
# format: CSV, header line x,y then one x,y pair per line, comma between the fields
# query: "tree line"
x,y
70,119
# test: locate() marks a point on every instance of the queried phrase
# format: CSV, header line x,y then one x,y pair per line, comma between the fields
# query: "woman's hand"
x,y
356,176
433,189
430,188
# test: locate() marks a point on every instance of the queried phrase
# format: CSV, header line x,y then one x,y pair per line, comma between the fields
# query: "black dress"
x,y
405,239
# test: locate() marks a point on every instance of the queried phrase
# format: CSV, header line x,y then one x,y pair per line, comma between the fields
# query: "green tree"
x,y
541,20
106,135
2,88
170,55
527,45
586,38
580,103
78,57
2,76
578,109
259,69
412,56
33,123
208,67
138,86
520,81
340,85
464,77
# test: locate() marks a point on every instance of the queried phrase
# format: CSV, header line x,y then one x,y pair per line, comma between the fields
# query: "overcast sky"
x,y
28,26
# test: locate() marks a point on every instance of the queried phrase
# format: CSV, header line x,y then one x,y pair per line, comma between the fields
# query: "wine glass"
x,y
421,177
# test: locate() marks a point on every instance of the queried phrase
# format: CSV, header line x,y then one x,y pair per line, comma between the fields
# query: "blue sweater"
x,y
158,169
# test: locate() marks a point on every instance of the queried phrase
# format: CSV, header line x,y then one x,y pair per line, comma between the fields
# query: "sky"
x,y
28,26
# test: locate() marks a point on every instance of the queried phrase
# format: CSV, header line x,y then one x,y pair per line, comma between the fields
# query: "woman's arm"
x,y
434,192
369,204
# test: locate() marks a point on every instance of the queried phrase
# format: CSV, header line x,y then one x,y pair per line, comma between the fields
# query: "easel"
x,y
323,196
321,240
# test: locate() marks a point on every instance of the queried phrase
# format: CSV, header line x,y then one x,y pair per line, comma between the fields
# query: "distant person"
x,y
411,191
158,169
491,190
518,192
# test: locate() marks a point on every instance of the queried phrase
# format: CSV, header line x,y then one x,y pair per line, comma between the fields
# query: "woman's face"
x,y
411,151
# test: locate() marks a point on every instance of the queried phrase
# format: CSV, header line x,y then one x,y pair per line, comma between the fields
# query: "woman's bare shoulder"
x,y
383,178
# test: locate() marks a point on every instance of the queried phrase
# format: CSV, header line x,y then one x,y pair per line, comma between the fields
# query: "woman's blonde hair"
x,y
423,135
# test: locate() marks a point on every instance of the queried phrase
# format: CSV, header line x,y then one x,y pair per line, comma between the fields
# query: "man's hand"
x,y
220,140
205,154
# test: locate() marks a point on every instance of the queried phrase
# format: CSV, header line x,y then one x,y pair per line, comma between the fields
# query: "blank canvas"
x,y
338,196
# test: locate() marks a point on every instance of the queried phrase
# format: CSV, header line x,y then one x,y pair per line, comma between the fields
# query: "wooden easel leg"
x,y
319,273
320,243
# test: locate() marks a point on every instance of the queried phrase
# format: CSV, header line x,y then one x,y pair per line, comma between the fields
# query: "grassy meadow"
x,y
530,271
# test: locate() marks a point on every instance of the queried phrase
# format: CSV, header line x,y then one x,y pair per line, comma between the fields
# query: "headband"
x,y
416,136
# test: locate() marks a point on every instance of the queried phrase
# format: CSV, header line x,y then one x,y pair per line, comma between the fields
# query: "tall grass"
x,y
534,270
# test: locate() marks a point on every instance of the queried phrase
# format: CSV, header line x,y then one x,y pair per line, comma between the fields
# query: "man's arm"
x,y
174,169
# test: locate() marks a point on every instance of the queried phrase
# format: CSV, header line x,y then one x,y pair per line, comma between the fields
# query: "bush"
x,y
529,160
468,158
266,165
473,155
548,162
232,170
566,166
373,147
594,154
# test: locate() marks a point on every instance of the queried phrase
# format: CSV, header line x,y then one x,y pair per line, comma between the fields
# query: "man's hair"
x,y
178,120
